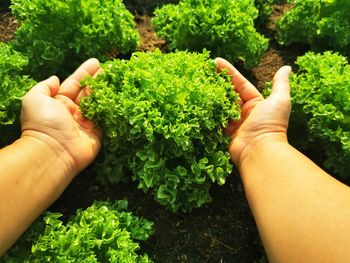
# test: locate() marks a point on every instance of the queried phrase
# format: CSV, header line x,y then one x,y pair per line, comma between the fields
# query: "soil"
x,y
222,231
8,25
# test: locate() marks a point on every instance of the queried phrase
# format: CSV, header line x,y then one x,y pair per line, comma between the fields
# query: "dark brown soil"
x,y
149,39
223,231
146,7
8,25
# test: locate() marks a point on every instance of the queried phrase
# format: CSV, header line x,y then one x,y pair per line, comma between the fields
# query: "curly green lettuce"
x,y
13,86
162,119
57,36
224,27
322,24
264,9
320,119
104,232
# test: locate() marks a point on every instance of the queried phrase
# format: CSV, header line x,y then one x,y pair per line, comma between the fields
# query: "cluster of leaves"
x,y
13,86
225,27
59,35
323,24
162,118
264,8
104,232
321,108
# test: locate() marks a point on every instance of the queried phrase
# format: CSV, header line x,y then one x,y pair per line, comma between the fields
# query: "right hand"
x,y
261,119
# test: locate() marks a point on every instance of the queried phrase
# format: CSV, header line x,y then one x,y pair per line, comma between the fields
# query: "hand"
x,y
261,119
51,114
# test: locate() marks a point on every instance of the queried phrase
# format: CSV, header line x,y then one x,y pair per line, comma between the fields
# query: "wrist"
x,y
34,174
51,151
258,145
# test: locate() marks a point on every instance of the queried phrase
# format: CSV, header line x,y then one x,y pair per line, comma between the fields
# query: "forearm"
x,y
32,177
302,213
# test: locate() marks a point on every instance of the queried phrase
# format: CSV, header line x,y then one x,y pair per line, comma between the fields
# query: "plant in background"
x,y
225,27
59,35
162,117
13,86
323,24
264,9
104,232
320,119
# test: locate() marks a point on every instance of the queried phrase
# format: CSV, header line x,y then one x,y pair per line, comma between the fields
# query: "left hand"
x,y
51,114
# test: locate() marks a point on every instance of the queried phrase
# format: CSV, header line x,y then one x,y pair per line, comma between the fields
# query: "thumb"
x,y
48,87
280,85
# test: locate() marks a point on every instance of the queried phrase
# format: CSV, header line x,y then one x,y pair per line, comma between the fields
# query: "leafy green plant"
x,y
323,24
59,35
104,232
225,27
320,120
162,117
13,86
264,9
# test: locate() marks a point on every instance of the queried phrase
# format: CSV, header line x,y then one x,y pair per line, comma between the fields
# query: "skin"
x,y
55,145
302,213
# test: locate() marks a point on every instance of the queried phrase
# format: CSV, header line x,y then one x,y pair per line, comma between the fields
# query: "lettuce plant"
x,y
320,119
264,9
323,24
225,27
13,86
59,35
162,117
104,232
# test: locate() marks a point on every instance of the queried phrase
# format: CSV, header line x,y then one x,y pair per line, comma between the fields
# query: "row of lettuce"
x,y
104,232
162,115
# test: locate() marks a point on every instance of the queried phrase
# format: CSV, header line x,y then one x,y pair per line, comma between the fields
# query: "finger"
x,y
71,86
85,123
97,72
243,87
86,91
47,87
67,103
280,85
231,127
77,114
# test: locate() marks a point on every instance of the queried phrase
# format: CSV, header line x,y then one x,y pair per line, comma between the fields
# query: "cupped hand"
x,y
261,119
51,114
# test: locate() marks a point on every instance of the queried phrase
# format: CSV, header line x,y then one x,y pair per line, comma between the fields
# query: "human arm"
x,y
55,145
302,213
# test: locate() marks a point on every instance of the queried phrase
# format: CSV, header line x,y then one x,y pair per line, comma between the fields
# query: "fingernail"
x,y
52,78
289,69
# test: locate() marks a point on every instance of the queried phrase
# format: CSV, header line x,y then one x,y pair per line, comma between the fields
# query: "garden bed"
x,y
222,231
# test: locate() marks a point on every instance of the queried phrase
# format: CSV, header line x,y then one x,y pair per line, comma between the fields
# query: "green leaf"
x,y
103,232
57,36
323,24
162,117
320,112
13,86
224,27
